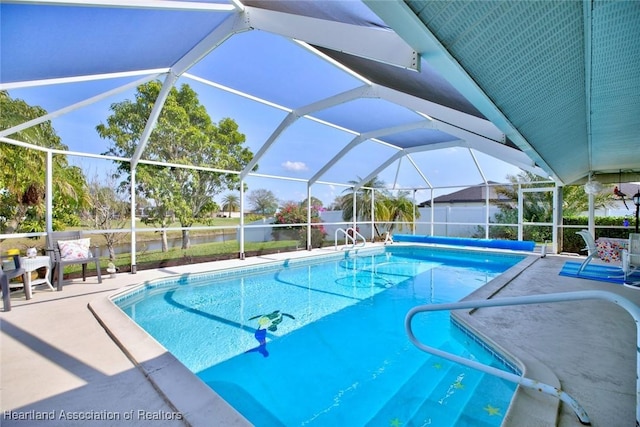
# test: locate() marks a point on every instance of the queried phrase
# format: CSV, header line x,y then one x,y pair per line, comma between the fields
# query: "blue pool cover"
x,y
516,245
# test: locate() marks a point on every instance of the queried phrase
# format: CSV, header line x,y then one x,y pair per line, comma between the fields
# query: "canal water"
x,y
156,245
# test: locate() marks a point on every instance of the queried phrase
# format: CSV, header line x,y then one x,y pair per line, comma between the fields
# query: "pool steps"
x,y
527,382
454,401
478,402
413,404
412,393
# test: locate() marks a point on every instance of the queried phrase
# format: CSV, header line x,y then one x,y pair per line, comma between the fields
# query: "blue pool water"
x,y
323,343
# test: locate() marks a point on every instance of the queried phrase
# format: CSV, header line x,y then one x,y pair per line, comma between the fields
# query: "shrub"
x,y
609,226
294,213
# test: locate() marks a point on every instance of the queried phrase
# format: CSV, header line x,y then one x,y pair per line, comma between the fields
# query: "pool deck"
x,y
59,362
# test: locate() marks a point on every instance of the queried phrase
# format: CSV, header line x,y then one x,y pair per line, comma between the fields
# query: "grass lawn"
x,y
148,259
204,252
144,233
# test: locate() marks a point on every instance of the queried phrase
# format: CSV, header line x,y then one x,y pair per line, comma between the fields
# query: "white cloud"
x,y
294,166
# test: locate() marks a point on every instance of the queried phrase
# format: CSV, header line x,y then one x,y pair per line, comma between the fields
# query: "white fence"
x,y
459,221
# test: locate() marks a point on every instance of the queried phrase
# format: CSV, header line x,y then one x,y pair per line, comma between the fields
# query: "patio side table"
x,y
32,264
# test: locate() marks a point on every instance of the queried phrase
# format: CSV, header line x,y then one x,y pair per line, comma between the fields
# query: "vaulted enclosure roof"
x,y
560,78
550,87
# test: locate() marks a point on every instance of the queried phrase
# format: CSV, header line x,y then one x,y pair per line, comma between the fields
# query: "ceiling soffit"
x,y
564,76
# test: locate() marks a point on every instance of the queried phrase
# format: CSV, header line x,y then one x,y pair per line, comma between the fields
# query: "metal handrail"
x,y
629,306
349,237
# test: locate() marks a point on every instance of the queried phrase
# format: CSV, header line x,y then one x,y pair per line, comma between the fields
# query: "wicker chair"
x,y
58,261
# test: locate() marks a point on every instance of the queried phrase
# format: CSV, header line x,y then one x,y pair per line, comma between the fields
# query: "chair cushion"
x,y
74,249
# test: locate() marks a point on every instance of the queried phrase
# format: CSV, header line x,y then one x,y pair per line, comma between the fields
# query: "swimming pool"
x,y
322,342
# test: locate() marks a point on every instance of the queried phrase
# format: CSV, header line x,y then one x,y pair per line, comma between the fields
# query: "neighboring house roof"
x,y
475,194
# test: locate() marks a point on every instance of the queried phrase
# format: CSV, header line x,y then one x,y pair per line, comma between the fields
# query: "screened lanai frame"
x,y
465,129
431,222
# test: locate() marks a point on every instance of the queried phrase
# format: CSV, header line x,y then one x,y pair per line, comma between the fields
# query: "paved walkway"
x,y
590,346
58,362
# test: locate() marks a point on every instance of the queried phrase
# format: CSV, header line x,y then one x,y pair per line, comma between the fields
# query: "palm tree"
x,y
23,200
398,209
363,203
387,209
363,200
230,203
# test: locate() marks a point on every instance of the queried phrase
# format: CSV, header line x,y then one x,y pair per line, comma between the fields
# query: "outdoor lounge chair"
x,y
67,248
631,258
5,276
592,250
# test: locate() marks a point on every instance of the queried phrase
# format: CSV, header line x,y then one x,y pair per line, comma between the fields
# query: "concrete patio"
x,y
59,363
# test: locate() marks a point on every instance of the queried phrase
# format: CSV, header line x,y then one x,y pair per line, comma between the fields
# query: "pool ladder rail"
x,y
631,308
351,235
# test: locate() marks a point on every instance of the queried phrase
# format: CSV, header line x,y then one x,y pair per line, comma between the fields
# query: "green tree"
x,y
384,209
22,186
263,201
363,200
315,202
184,134
230,203
537,207
388,209
142,205
575,201
397,209
336,204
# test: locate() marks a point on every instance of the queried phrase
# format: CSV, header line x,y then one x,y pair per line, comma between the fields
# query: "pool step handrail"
x,y
350,235
629,306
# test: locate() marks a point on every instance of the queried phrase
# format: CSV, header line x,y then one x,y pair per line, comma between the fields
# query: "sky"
x,y
266,66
